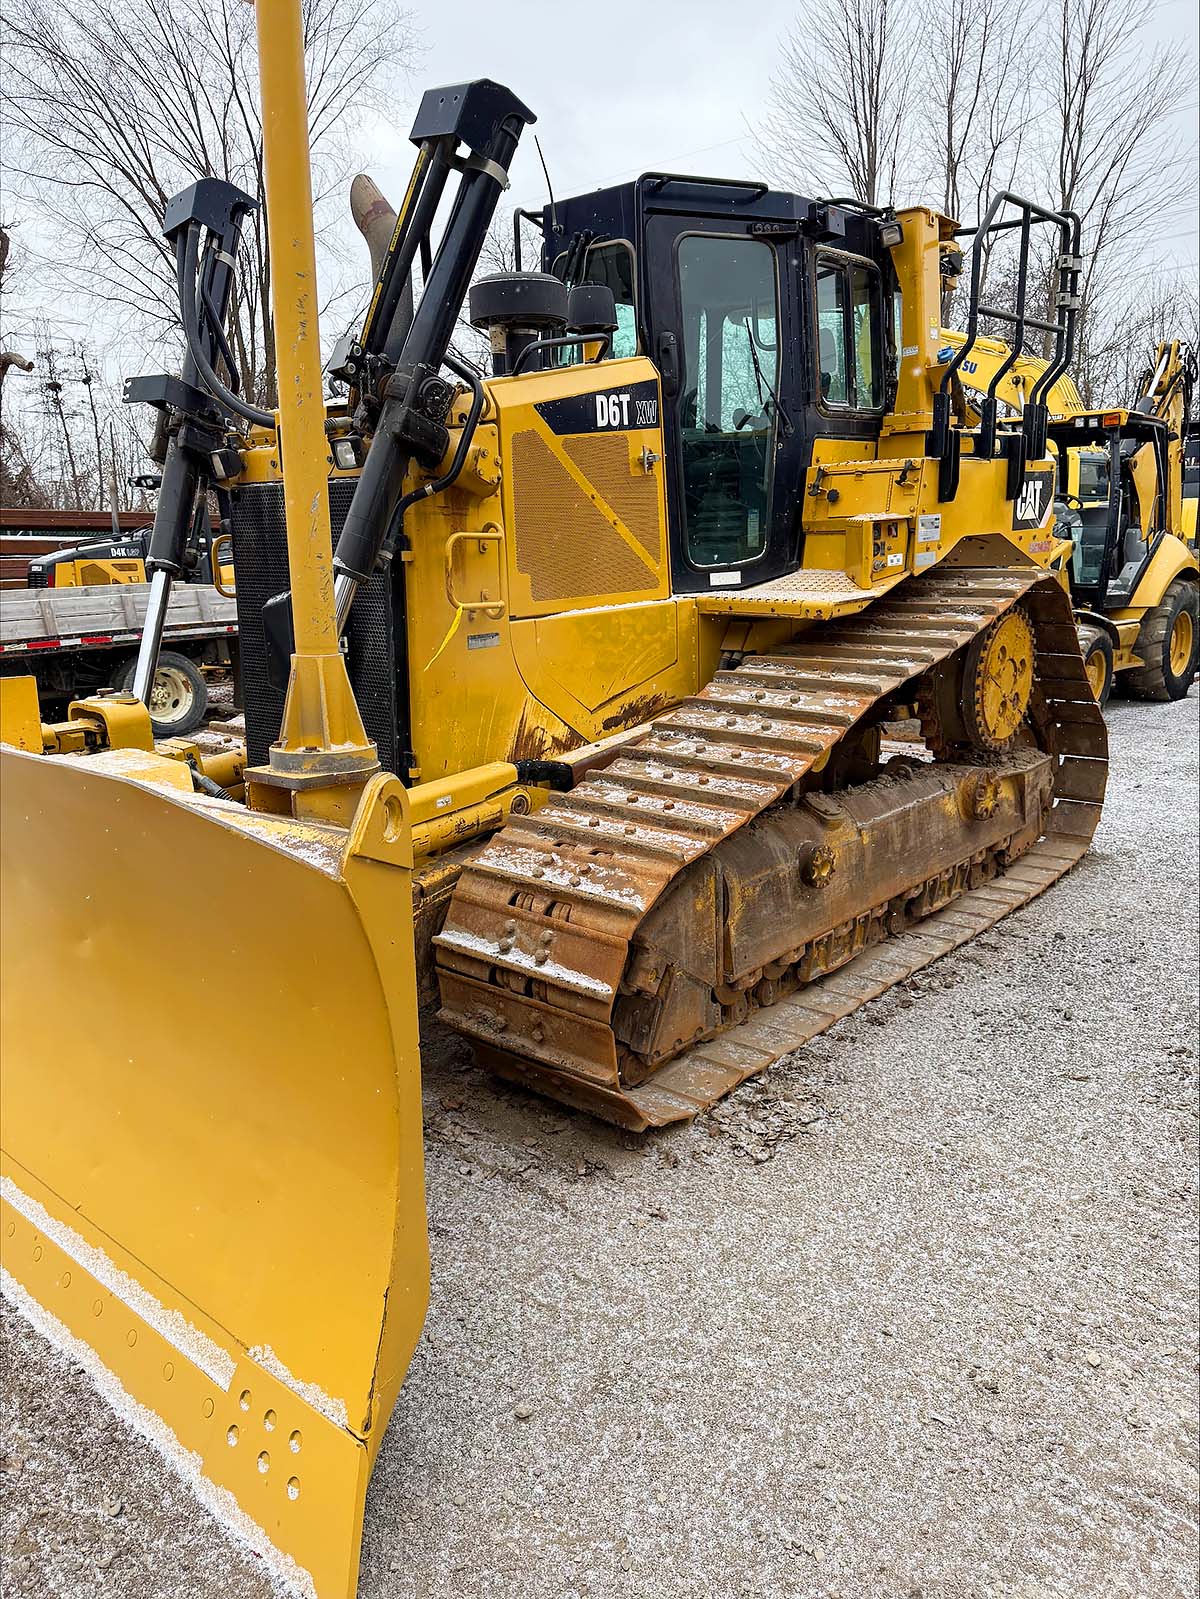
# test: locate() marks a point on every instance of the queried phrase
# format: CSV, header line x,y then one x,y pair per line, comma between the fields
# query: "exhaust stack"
x,y
376,221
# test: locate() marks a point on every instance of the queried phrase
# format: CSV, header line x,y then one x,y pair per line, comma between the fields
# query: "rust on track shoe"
x,y
695,909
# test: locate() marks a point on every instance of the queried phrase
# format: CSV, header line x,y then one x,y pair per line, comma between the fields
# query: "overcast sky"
x,y
674,84
679,85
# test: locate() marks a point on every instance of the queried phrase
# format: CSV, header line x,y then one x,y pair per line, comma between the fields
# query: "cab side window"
x,y
611,265
850,353
1093,477
831,335
1191,464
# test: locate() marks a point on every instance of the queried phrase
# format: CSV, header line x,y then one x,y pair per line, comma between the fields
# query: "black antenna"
x,y
553,213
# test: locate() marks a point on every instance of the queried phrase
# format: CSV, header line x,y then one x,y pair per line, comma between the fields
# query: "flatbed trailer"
x,y
75,640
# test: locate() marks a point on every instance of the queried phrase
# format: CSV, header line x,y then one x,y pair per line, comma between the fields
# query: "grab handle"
x,y
215,559
491,534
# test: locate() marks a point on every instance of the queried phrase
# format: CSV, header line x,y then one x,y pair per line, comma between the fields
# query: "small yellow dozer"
x,y
232,1238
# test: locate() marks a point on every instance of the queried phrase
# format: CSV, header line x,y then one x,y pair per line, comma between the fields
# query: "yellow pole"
x,y
294,300
322,733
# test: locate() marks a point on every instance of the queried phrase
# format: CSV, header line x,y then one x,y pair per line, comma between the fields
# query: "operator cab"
x,y
1191,477
769,319
1116,513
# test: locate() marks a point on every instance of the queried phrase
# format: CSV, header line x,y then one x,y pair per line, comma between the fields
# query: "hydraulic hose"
x,y
188,306
214,322
381,484
346,584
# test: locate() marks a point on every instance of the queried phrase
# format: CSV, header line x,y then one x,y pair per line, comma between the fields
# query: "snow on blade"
x,y
332,1409
216,1363
287,1575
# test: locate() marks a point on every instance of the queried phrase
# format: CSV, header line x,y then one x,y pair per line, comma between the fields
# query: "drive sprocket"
x,y
980,700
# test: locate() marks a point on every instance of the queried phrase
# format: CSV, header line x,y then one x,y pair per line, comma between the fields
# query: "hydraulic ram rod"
x,y
196,423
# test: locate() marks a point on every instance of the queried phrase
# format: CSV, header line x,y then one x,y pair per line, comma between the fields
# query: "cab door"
x,y
719,314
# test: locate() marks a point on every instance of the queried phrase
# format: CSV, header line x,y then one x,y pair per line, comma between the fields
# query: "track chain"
x,y
538,932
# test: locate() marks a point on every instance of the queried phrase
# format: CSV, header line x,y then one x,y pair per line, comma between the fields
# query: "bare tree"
x,y
980,99
9,359
65,438
1114,157
115,106
979,103
52,392
1152,311
1068,105
19,483
840,97
88,378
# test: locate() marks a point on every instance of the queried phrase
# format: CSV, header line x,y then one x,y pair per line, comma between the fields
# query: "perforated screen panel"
x,y
603,458
565,545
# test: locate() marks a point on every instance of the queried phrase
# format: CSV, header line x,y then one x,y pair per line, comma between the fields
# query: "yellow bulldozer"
x,y
579,725
122,559
1125,499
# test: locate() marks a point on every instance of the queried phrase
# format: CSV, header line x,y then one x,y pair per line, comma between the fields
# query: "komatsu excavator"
x,y
578,723
1122,500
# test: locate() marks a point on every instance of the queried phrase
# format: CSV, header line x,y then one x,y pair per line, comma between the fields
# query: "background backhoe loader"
x,y
588,697
1191,481
1135,577
1122,499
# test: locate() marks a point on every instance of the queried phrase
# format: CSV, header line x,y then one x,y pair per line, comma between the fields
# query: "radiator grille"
x,y
260,562
565,546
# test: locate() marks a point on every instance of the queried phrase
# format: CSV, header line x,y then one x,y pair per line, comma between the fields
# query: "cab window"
x,y
849,335
611,265
729,321
1191,466
1093,477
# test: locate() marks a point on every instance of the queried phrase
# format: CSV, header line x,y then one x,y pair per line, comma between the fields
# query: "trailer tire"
x,y
1169,643
178,695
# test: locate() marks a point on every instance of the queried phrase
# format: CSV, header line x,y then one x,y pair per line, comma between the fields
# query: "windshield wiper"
x,y
767,396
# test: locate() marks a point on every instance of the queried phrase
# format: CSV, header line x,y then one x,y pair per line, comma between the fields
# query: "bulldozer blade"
x,y
212,1185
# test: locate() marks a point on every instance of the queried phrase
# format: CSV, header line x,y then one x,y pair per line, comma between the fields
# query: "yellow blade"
x,y
212,1178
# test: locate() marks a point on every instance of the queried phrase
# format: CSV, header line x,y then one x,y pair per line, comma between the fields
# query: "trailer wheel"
x,y
1097,661
1169,643
178,695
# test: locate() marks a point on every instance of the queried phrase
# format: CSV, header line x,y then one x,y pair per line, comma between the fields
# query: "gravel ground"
x,y
914,1314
